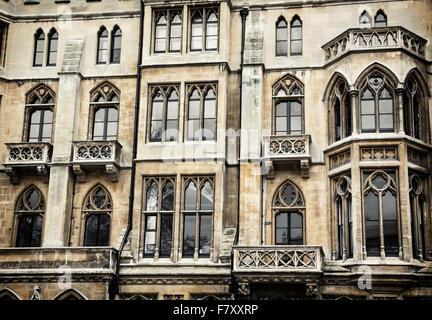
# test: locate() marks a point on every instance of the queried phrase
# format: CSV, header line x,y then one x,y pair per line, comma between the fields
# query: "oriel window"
x,y
164,113
204,29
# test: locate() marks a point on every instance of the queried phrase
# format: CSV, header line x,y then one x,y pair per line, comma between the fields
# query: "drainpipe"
x,y
243,12
135,144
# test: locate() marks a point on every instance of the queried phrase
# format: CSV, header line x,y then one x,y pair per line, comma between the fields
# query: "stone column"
x,y
59,204
357,215
399,108
355,112
405,249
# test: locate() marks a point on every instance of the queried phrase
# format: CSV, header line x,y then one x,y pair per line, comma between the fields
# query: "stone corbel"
x,y
13,175
304,167
244,289
269,169
113,171
42,170
312,290
79,173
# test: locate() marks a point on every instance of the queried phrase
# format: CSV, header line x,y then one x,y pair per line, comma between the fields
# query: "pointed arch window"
x,y
288,107
340,111
116,38
29,212
52,48
418,194
164,113
201,111
168,30
197,217
296,36
39,114
204,29
39,48
342,218
377,104
381,214
288,210
158,215
105,102
281,37
102,51
365,21
97,211
380,19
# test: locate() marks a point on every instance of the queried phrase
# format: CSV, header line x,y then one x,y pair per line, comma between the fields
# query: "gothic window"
x,y
197,216
342,218
415,110
29,211
418,204
281,37
377,109
102,49
97,211
380,19
116,38
204,29
365,21
39,114
158,215
340,111
52,48
164,113
39,47
201,112
3,41
288,210
380,211
104,105
296,36
288,106
168,30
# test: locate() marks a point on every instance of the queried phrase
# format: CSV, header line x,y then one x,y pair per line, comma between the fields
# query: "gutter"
x,y
134,147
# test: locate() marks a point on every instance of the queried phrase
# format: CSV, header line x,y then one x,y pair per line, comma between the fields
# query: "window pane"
x,y
281,124
205,235
171,131
48,116
196,43
281,236
46,131
296,236
98,129
172,106
112,114
100,114
281,109
24,233
188,235
193,129
112,130
212,29
211,42
152,197
194,109
206,197
295,109
296,46
281,34
296,33
160,45
386,122
38,59
150,235
296,220
368,123
156,131
209,129
209,108
165,236
386,105
281,48
104,230
190,197
295,124
372,224
36,235
34,132
168,197
157,110
91,232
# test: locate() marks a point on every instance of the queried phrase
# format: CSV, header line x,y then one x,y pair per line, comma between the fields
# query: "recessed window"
x,y
340,111
419,207
281,37
116,38
102,51
52,48
39,47
380,19
168,30
204,29
365,21
296,36
342,218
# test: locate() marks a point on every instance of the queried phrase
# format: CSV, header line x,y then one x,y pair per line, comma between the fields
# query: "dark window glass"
x,y
105,123
281,38
296,37
365,21
189,223
165,235
289,228
206,197
350,228
116,45
40,127
52,48
340,228
416,116
372,224
205,235
160,34
102,46
97,230
39,49
29,231
348,116
168,197
338,124
391,242
380,19
288,118
3,38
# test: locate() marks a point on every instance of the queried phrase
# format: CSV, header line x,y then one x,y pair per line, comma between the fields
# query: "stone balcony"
x,y
96,155
27,158
384,38
283,149
58,262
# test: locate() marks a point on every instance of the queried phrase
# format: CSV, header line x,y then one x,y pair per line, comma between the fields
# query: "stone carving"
x,y
244,289
417,158
340,159
378,154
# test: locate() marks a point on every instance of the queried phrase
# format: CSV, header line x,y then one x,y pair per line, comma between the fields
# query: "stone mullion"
x,y
357,215
177,217
355,111
405,252
381,226
399,108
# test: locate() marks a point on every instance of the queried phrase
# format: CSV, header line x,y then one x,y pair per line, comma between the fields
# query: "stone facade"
x,y
218,230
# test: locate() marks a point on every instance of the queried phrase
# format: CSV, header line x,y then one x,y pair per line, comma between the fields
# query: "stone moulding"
x,y
340,159
378,153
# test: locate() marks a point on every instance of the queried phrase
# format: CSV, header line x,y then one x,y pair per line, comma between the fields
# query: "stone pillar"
x,y
60,190
357,215
405,249
399,108
355,112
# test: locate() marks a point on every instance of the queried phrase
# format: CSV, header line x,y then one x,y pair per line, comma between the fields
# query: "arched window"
x,y
39,114
340,112
365,21
167,30
97,211
196,30
105,101
158,216
29,212
342,217
380,211
296,36
175,32
288,211
52,48
102,46
281,37
377,103
380,19
160,32
197,216
211,42
416,122
39,48
116,38
288,106
164,113
201,120
419,208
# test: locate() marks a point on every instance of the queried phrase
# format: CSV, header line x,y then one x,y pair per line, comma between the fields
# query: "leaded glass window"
x,y
416,122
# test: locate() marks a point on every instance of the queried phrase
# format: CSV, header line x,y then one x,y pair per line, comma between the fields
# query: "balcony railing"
x,y
278,258
95,154
287,147
28,153
375,38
